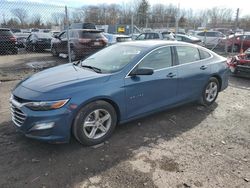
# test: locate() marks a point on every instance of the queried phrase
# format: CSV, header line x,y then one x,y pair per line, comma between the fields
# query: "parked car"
x,y
82,26
156,35
21,39
8,42
83,42
38,41
118,84
210,38
114,38
189,39
236,42
240,64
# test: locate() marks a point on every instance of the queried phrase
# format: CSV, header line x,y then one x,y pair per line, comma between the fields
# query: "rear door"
x,y
146,93
61,43
194,71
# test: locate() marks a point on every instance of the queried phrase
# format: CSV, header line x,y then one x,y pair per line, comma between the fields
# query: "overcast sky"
x,y
194,4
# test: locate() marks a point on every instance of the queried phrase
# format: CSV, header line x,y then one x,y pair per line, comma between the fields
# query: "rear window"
x,y
204,54
90,35
187,54
5,33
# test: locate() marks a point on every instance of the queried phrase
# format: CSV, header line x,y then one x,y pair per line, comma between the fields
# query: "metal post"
x,y
132,24
67,32
177,20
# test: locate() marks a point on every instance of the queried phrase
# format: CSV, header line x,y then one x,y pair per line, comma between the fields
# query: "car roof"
x,y
90,30
4,29
156,43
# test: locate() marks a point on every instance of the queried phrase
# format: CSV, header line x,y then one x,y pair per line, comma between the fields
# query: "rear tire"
x,y
210,92
94,123
54,52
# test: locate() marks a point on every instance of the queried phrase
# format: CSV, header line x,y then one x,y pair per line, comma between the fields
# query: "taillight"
x,y
84,40
104,41
13,39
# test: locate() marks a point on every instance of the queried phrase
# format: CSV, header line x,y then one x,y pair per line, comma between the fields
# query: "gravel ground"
x,y
189,146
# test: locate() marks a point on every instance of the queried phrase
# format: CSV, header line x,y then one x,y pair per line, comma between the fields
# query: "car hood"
x,y
57,78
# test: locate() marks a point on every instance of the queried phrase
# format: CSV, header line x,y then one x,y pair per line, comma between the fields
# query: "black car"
x,y
38,41
8,42
21,39
83,42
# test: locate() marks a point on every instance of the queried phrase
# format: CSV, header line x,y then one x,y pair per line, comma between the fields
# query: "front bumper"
x,y
30,123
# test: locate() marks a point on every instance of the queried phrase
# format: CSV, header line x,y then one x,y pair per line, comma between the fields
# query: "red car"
x,y
240,64
236,42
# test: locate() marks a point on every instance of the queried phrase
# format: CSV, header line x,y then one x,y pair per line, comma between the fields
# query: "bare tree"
x,y
58,18
142,12
36,21
21,15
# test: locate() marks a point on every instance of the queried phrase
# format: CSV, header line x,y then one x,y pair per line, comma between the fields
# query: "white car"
x,y
210,37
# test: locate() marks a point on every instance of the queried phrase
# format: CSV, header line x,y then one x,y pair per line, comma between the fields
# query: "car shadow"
x,y
31,163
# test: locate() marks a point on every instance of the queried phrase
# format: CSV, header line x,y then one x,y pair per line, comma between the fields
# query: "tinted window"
x,y
90,35
6,33
158,59
187,54
141,37
211,34
179,38
152,36
204,54
201,34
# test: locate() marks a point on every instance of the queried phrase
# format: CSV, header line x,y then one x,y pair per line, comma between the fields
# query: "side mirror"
x,y
142,71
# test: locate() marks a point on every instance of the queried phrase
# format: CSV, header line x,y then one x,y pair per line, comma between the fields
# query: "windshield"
x,y
43,35
113,58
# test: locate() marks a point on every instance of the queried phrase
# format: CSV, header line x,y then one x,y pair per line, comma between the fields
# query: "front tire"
x,y
94,123
210,92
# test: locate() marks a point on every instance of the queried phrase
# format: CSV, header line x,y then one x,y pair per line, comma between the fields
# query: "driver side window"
x,y
158,59
63,35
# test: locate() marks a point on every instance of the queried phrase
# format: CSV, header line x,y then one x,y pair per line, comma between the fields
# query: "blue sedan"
x,y
115,85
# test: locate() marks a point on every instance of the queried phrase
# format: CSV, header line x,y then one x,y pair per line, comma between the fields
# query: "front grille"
x,y
18,117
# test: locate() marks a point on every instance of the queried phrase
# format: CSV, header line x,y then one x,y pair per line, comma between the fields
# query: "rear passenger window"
x,y
158,59
204,54
187,54
201,34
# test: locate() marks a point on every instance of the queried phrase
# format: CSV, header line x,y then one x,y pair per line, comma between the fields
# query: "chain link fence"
x,y
36,34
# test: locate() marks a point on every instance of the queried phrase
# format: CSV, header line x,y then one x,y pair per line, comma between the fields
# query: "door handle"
x,y
171,75
203,67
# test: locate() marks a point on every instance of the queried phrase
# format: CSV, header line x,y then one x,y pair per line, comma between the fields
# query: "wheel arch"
x,y
219,80
106,99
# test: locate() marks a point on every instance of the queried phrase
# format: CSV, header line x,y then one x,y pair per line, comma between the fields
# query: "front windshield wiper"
x,y
92,68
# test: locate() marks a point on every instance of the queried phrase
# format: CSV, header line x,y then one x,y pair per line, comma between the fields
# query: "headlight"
x,y
48,105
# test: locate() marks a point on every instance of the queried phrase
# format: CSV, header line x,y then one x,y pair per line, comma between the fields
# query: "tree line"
x,y
141,13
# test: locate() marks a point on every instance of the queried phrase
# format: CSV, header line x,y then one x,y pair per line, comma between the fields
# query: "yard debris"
x,y
246,179
35,160
186,185
223,142
216,154
98,145
35,179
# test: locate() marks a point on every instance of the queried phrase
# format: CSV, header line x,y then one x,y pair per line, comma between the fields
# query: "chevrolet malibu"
x,y
115,85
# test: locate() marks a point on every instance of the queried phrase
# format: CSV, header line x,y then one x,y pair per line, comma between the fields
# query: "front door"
x,y
146,93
